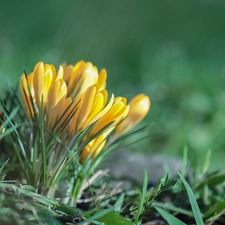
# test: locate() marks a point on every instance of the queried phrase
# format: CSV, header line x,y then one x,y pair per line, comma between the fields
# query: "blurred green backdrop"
x,y
173,51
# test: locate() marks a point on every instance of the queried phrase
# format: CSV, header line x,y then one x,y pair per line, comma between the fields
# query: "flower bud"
x,y
139,108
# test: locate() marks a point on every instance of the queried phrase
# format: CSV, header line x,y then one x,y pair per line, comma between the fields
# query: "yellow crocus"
x,y
35,87
94,147
113,116
56,102
27,91
91,106
139,107
43,77
75,98
82,76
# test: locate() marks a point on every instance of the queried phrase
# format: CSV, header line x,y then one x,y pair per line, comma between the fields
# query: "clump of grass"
x,y
53,141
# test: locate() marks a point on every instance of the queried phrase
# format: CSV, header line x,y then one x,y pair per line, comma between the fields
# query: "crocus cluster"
x,y
75,98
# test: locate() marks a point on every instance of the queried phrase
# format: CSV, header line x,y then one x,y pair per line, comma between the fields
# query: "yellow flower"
x,y
139,107
46,88
92,105
82,76
78,90
35,87
43,77
94,147
27,91
113,116
75,97
58,107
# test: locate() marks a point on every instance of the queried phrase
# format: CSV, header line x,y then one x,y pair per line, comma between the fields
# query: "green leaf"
x,y
112,218
1,168
165,183
193,202
206,162
184,161
69,210
169,217
212,181
171,207
96,216
215,210
119,203
143,194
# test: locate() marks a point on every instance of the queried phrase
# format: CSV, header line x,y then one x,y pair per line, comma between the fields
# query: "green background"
x,y
173,51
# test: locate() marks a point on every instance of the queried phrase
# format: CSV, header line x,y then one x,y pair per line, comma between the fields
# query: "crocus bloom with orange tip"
x,y
27,91
139,107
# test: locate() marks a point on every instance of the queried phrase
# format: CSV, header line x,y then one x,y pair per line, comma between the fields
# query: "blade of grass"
x,y
194,205
1,168
8,131
96,216
206,162
13,125
112,218
169,217
184,161
119,203
43,147
214,210
143,194
211,181
171,207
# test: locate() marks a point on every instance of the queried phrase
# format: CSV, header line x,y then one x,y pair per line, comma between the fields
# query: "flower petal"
x,y
139,107
38,82
27,91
